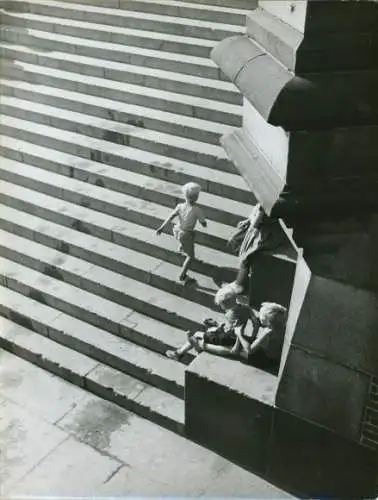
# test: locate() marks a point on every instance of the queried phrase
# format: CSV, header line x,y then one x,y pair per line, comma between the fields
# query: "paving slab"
x,y
73,469
99,449
23,383
24,441
129,481
235,481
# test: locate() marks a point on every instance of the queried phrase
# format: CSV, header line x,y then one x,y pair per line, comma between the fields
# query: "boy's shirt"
x,y
188,216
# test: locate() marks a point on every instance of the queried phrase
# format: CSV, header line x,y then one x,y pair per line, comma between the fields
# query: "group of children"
x,y
262,342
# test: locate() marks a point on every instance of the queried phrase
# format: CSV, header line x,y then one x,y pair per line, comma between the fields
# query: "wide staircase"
x,y
105,113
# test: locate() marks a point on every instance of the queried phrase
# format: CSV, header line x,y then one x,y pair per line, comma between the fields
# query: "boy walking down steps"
x,y
187,214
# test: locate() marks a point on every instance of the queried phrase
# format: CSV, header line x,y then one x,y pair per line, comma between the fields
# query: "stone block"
x,y
323,392
222,412
317,463
340,322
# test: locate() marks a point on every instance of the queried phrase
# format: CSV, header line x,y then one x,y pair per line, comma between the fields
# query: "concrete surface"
x,y
56,439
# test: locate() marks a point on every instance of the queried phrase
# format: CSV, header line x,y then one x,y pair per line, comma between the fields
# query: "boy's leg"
x,y
178,353
185,268
187,241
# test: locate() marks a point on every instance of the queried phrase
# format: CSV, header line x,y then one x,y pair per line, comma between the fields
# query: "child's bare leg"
x,y
185,267
242,277
242,274
183,349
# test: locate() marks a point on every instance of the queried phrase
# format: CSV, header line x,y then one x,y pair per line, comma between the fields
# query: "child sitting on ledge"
x,y
221,336
261,347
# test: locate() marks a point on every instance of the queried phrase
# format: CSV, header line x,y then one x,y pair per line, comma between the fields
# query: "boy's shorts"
x,y
186,239
219,336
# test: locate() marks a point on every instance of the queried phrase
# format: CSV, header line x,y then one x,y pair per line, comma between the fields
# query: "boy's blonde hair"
x,y
224,294
273,315
191,191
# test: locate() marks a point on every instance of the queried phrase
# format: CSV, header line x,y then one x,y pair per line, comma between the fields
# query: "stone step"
x,y
172,24
237,4
220,12
111,384
23,203
38,234
119,353
146,187
137,75
129,208
156,100
140,329
137,56
162,167
120,133
118,111
107,33
105,313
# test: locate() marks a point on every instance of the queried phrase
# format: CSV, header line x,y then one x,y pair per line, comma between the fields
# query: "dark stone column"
x,y
308,149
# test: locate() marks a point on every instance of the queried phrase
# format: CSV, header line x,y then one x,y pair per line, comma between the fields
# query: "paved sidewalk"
x,y
58,440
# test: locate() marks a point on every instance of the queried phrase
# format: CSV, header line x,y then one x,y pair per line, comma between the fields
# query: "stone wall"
x,y
369,431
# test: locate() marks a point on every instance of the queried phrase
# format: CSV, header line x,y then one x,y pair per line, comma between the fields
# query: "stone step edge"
x,y
232,186
74,192
143,372
164,192
211,7
127,13
184,126
158,100
98,45
129,270
179,66
218,90
100,293
164,251
137,137
94,387
54,23
133,333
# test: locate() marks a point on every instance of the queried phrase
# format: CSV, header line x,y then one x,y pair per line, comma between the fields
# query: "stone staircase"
x,y
106,112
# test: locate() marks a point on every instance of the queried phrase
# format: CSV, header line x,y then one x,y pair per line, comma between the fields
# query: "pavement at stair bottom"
x,y
58,440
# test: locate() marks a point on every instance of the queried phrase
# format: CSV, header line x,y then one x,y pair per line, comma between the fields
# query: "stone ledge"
x,y
332,51
317,101
229,409
277,37
217,370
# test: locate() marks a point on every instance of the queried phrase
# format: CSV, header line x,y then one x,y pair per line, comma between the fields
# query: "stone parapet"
x,y
229,407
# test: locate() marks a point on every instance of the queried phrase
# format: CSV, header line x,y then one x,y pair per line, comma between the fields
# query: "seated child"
x,y
264,347
222,336
261,233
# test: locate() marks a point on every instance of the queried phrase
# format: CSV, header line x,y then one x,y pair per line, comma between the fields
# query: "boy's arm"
x,y
216,349
201,218
239,330
167,220
256,344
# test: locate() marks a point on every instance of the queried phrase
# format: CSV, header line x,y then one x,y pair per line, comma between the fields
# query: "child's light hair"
x,y
225,293
191,191
273,315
